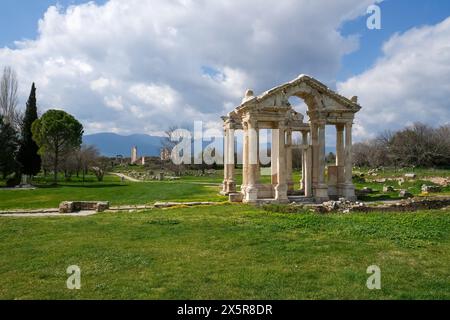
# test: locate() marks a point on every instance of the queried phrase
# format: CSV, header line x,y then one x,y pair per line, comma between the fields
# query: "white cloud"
x,y
162,97
138,65
114,102
409,83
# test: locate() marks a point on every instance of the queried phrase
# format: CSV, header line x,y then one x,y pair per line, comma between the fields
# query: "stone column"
x,y
315,158
230,165
290,182
304,155
258,162
340,157
252,165
281,188
245,158
340,145
274,156
321,193
348,188
225,162
308,172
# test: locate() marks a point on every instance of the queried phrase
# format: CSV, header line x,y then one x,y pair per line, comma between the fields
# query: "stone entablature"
x,y
272,110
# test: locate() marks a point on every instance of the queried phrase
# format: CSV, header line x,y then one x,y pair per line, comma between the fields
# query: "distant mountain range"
x,y
111,144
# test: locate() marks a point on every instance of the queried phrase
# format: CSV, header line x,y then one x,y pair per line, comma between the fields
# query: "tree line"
x,y
418,145
29,143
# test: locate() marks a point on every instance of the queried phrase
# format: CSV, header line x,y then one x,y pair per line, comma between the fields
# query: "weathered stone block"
x,y
66,207
235,197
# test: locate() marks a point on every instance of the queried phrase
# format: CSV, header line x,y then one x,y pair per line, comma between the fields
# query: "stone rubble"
x,y
407,205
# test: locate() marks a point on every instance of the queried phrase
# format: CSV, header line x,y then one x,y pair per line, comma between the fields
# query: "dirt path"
x,y
120,175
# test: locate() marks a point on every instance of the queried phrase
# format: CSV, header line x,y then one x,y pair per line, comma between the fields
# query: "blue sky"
x,y
20,18
397,16
189,60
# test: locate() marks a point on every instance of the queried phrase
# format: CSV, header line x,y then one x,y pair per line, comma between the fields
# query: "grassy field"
x,y
111,189
189,188
227,252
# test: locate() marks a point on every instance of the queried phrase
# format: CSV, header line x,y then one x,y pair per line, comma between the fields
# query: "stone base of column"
x,y
251,195
224,188
321,193
348,192
228,187
281,193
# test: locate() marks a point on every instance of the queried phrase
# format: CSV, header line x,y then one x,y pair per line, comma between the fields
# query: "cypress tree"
x,y
28,156
8,143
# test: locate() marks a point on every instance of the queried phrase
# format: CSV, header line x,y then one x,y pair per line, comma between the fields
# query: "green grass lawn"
x,y
227,252
111,189
186,189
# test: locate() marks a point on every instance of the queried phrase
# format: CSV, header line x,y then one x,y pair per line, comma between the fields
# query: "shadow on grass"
x,y
379,197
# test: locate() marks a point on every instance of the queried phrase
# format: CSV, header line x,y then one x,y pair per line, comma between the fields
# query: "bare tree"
x,y
8,97
86,157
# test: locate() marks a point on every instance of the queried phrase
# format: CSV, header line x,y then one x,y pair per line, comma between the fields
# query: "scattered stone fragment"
x,y
405,194
428,189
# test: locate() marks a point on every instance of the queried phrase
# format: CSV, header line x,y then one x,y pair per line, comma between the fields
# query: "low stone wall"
x,y
76,206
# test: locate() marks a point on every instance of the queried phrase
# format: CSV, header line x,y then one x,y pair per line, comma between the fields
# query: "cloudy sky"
x,y
140,66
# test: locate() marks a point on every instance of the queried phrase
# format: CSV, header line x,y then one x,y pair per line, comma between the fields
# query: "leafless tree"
x,y
417,145
8,97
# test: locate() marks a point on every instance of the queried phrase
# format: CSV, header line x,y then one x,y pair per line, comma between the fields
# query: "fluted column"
x,y
349,189
258,161
290,182
225,158
252,165
274,156
340,145
348,153
281,188
304,156
321,193
245,158
315,158
308,172
340,158
230,165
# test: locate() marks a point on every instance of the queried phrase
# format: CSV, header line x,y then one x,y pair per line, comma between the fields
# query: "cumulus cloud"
x,y
409,83
142,66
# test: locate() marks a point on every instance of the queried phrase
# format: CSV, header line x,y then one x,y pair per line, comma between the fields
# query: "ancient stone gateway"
x,y
272,110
